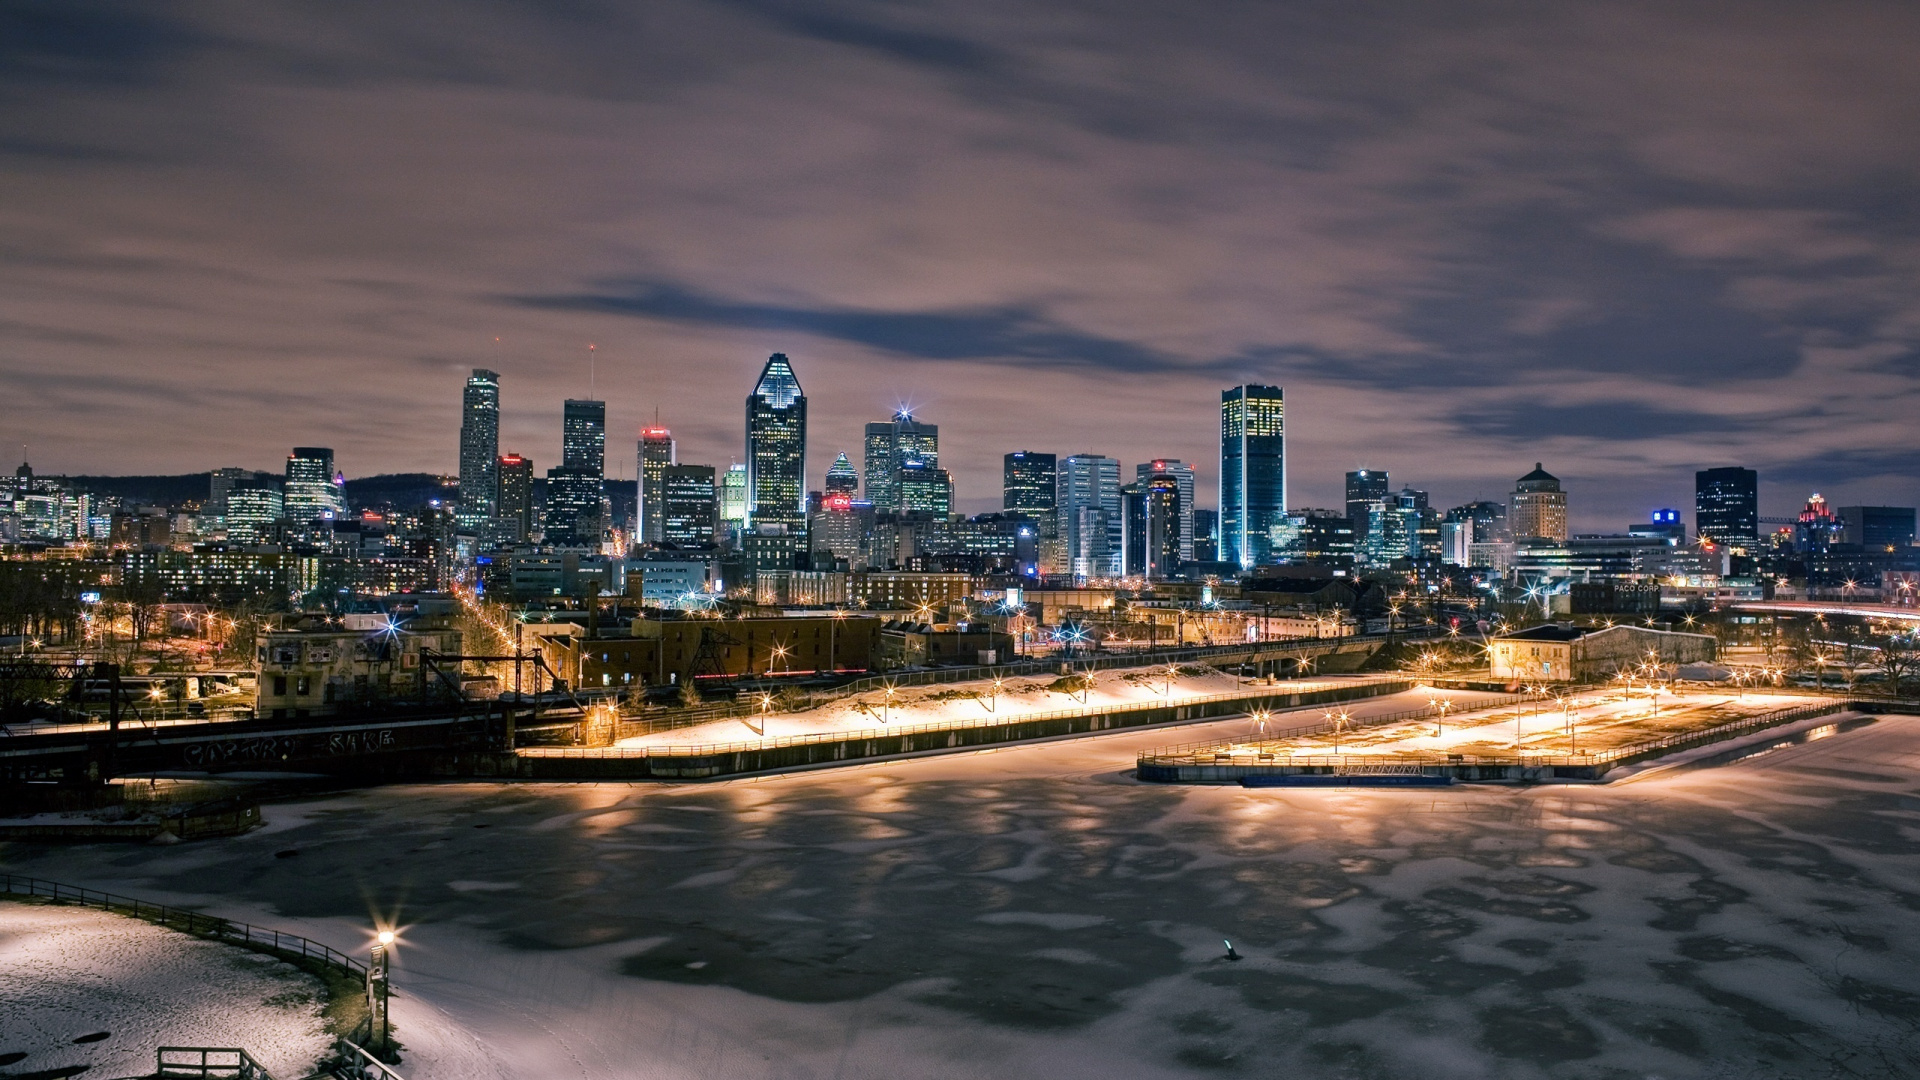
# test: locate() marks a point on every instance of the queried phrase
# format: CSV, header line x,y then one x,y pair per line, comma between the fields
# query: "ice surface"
x,y
69,972
1034,912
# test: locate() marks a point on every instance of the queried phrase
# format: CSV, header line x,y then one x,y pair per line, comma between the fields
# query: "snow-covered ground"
x,y
945,704
1032,911
67,973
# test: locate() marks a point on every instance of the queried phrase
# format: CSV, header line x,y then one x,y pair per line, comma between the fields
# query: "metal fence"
x,y
191,922
1220,753
990,720
1355,724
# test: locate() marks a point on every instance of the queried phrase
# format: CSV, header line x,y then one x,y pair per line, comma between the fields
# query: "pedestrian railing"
x,y
355,1063
1323,726
201,1062
1286,689
196,923
1243,753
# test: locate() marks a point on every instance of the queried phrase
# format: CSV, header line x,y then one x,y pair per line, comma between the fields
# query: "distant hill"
x,y
391,489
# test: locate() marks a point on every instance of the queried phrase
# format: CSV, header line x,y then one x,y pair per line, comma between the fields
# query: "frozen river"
x,y
1033,912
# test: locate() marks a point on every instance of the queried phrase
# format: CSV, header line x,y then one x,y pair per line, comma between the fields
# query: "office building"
x,y
221,482
1877,528
479,446
1253,472
1087,501
1664,524
921,488
583,437
890,446
1538,507
733,498
656,455
513,496
842,477
1726,506
1206,535
1027,480
253,510
573,507
689,506
1364,488
777,448
314,492
1183,475
1315,536
1152,522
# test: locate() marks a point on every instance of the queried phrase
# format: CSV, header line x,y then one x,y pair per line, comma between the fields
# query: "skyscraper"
x,y
842,478
777,448
733,497
1539,507
1253,471
1027,483
313,489
921,488
688,505
221,482
513,498
573,507
1183,476
583,437
1726,506
1153,524
1087,498
1364,486
656,454
889,447
479,446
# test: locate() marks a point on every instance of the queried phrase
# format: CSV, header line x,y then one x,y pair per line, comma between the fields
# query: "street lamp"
x,y
379,1029
886,705
1172,670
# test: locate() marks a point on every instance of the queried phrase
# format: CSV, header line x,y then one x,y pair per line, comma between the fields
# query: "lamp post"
x,y
379,1030
886,705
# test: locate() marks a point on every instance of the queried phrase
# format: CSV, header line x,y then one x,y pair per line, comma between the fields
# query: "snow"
x,y
69,972
940,705
1032,911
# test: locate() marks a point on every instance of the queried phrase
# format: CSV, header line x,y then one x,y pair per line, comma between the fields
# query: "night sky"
x,y
1628,240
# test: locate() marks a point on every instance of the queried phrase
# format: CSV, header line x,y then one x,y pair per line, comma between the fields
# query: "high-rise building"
x,y
1253,471
1472,523
777,448
1877,528
219,484
842,477
252,510
1539,507
1364,487
689,505
920,488
513,495
479,446
573,507
1087,499
1206,535
733,497
1027,483
1182,474
656,454
1315,536
583,437
314,491
1153,521
889,447
1726,506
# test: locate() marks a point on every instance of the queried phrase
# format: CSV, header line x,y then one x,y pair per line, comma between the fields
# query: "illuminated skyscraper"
x,y
890,446
513,498
842,478
656,454
479,446
1087,498
1726,506
688,506
1539,507
733,497
583,437
1027,482
314,492
1253,472
573,507
1182,474
777,448
1364,488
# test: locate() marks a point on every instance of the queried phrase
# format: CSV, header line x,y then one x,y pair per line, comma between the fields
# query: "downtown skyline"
x,y
1637,244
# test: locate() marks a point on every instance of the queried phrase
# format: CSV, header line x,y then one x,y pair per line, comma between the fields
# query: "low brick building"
x,y
1563,653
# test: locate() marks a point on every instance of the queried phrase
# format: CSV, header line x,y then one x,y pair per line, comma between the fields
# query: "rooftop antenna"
x,y
593,373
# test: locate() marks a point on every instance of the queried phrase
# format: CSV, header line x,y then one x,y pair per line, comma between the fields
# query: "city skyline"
x,y
1607,253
